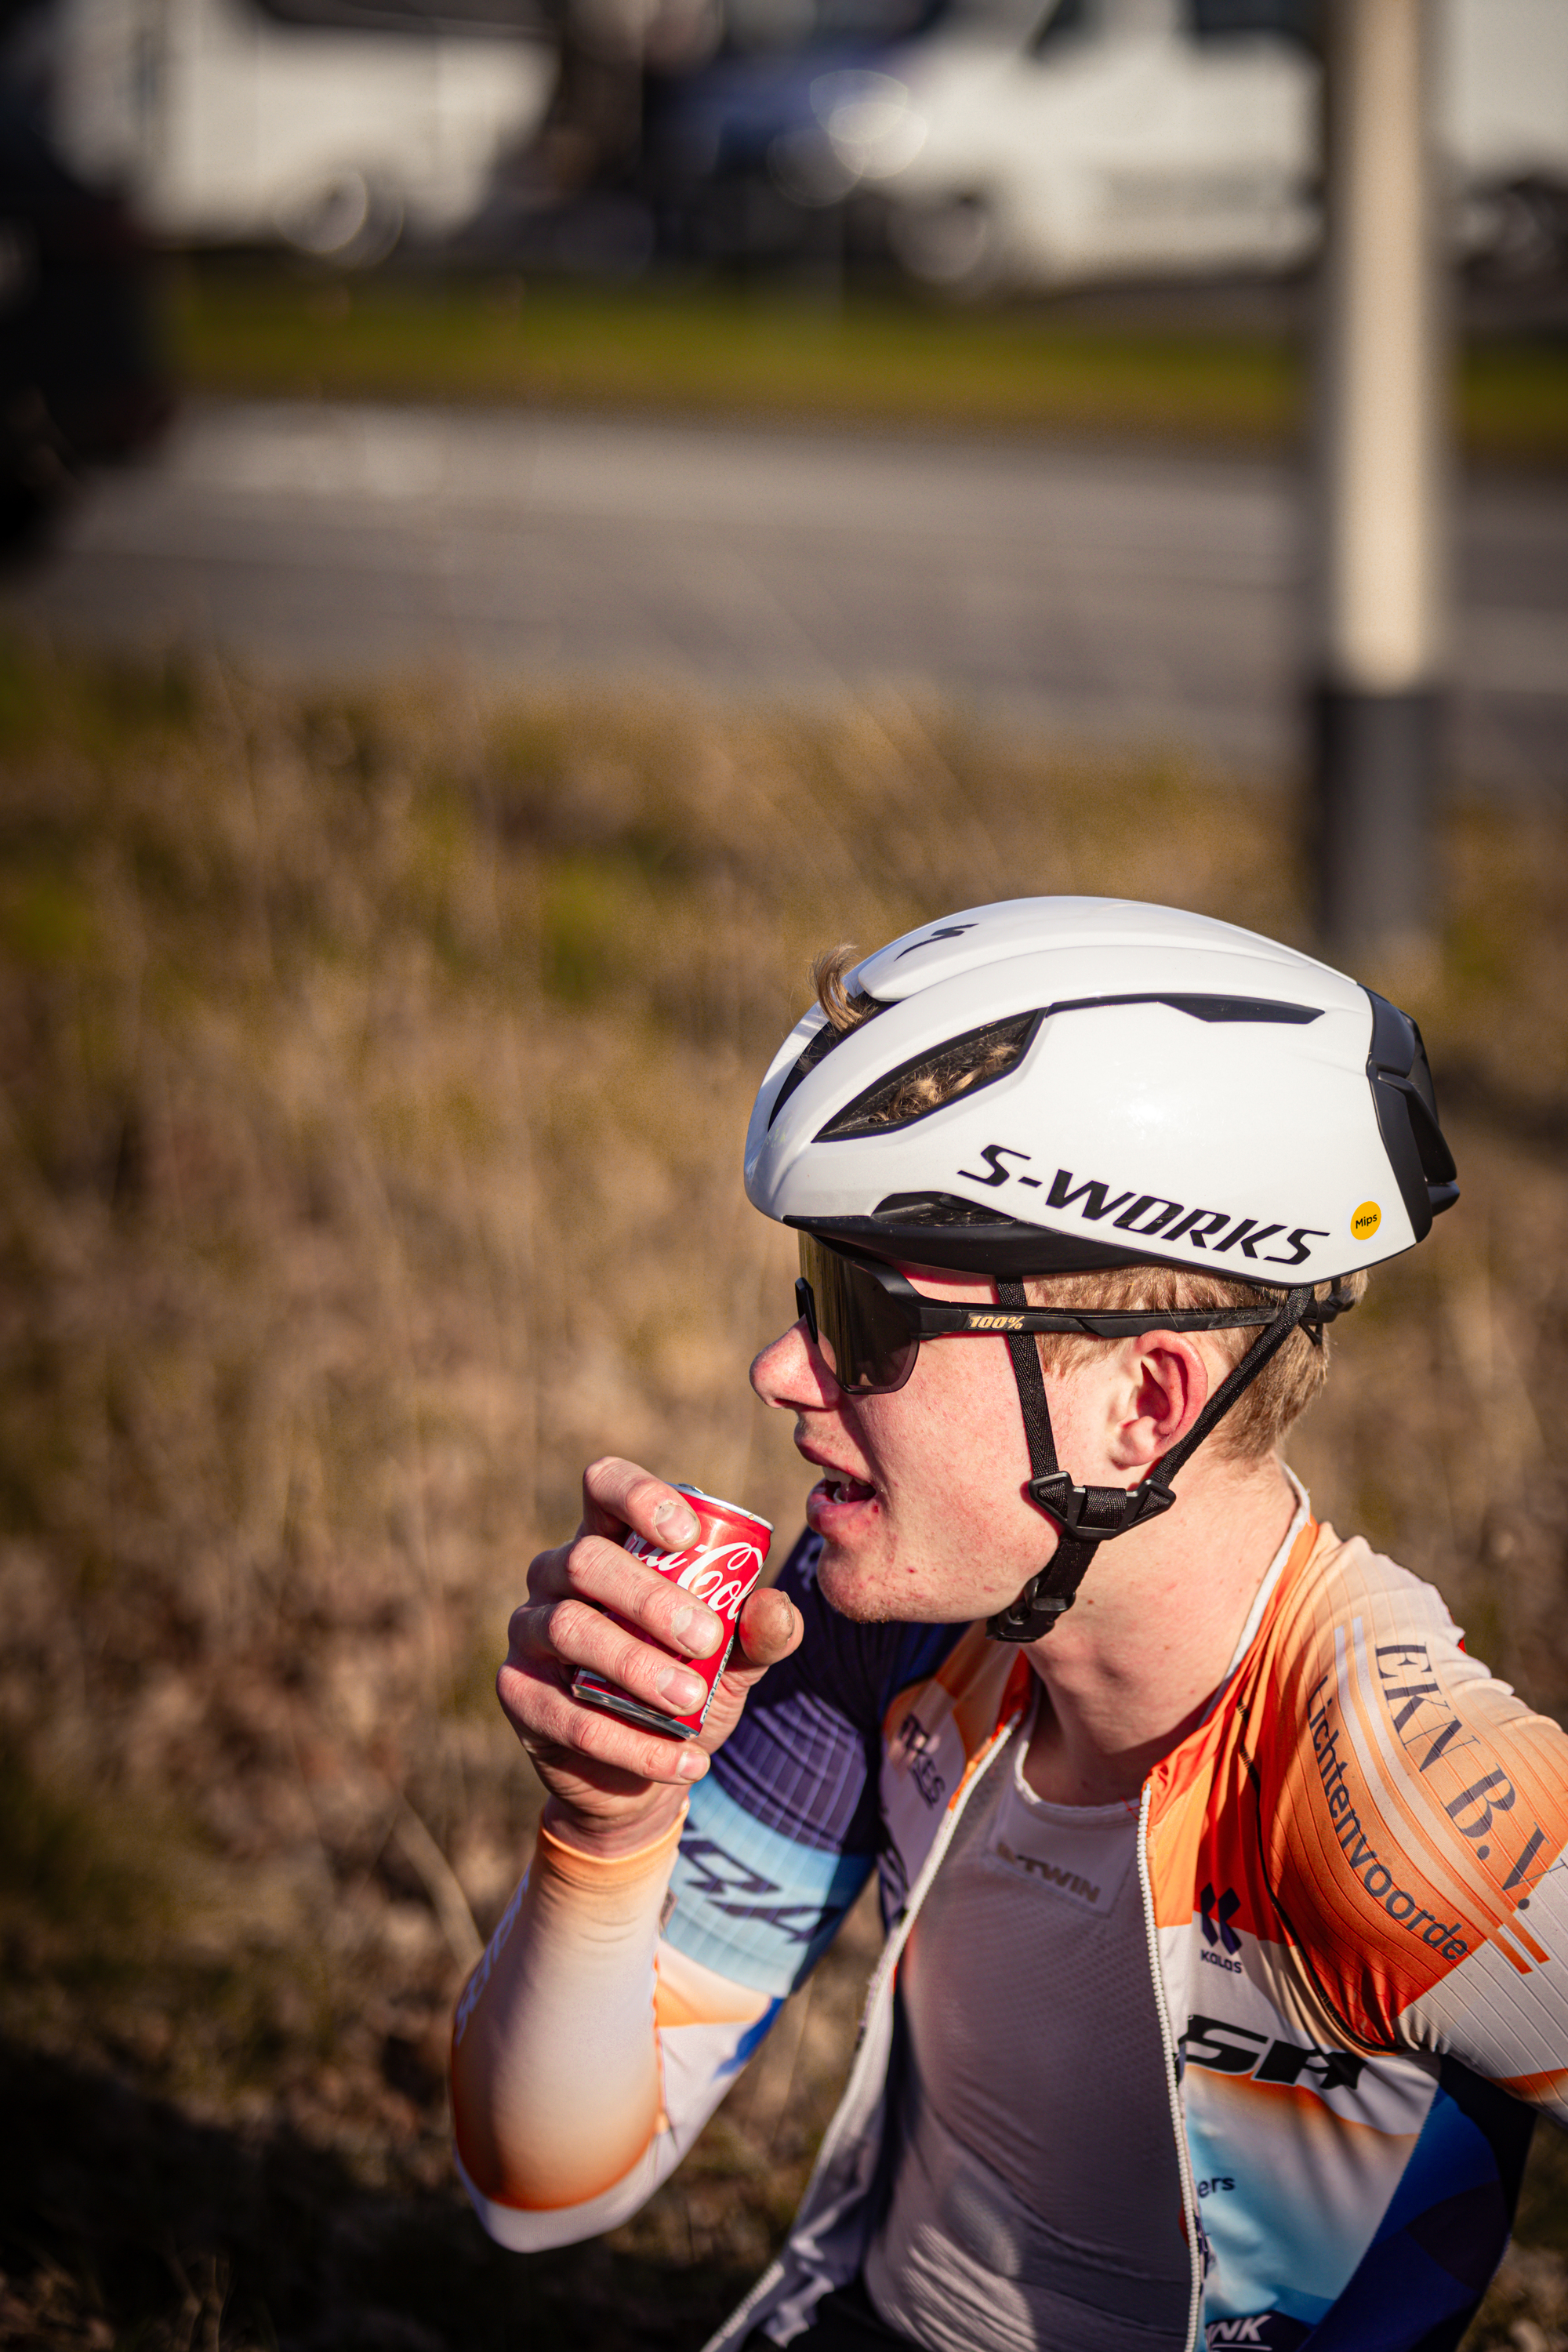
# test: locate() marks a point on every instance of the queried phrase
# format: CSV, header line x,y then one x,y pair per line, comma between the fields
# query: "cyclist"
x,y
1224,1891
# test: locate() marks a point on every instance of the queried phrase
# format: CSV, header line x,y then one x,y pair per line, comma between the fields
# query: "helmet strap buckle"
x,y
1094,1513
1089,1516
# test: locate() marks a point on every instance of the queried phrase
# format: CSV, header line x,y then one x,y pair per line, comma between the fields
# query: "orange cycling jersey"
x,y
1357,1913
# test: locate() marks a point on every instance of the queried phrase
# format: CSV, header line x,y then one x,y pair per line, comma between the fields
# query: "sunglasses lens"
x,y
864,1340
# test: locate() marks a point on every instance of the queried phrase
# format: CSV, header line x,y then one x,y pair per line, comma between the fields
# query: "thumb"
x,y
770,1627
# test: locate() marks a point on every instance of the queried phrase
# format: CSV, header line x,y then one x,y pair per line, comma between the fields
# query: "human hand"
x,y
614,1786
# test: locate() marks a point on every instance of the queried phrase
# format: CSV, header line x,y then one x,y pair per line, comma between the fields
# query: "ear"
x,y
1166,1386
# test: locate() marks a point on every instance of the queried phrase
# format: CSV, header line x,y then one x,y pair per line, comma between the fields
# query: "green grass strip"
x,y
871,360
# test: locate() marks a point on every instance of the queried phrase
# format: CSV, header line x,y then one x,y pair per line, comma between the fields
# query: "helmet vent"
x,y
818,1047
919,1209
923,1086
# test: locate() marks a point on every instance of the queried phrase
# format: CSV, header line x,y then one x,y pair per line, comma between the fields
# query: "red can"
x,y
719,1570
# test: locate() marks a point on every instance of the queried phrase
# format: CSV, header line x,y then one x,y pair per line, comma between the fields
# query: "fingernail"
x,y
677,1523
698,1630
692,1765
682,1687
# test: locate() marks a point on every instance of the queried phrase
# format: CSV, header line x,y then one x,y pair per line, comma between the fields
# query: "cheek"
x,y
962,1430
991,1405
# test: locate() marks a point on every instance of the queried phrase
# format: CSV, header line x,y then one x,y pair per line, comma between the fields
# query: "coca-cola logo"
x,y
719,1575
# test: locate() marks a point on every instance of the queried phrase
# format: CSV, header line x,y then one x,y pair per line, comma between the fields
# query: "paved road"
x,y
1146,598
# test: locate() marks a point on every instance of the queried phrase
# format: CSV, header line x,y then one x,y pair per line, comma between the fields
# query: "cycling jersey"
x,y
1356,1913
1034,2195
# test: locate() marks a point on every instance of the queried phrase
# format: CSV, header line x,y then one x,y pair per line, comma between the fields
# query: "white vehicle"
x,y
1098,139
330,128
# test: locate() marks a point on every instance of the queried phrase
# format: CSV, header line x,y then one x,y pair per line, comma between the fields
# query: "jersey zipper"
x,y
1178,2122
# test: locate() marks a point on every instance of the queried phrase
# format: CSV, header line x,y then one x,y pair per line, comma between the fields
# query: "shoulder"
x,y
1342,1578
1409,1797
1357,1629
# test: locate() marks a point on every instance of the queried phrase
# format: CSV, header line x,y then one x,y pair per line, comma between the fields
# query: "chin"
x,y
872,1599
848,1589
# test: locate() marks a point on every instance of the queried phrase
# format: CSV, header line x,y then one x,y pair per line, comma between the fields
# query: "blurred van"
x,y
1021,145
332,125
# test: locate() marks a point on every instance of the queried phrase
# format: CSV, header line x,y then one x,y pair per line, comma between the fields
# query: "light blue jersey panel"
x,y
750,1903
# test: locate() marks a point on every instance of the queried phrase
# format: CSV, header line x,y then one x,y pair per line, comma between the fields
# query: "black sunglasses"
x,y
866,1320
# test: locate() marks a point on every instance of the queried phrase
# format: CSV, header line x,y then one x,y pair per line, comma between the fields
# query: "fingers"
x,y
595,1569
570,1633
563,1736
592,1603
617,1495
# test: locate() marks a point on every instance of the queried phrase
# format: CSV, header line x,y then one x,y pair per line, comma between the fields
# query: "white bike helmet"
x,y
1157,1089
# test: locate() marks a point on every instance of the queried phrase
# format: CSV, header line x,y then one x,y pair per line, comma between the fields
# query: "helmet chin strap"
x,y
1088,1517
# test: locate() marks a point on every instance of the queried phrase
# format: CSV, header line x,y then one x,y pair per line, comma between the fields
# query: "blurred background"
x,y
522,520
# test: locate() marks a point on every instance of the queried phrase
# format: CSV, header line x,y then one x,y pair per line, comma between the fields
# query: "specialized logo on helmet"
x,y
1147,1214
1365,1221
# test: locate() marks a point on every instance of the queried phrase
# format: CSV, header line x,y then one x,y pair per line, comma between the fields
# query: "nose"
x,y
791,1374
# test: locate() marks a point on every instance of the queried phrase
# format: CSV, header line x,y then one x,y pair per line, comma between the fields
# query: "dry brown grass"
x,y
374,1075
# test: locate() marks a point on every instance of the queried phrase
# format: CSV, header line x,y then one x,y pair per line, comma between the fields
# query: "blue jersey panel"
x,y
759,1908
783,1833
1420,2281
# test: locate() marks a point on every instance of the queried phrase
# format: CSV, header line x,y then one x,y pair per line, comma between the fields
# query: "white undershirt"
x,y
1037,2199
1036,2203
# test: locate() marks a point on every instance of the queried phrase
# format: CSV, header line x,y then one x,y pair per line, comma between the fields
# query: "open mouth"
x,y
845,1490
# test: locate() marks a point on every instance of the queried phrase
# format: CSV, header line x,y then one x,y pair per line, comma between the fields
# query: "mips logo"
x,y
1365,1221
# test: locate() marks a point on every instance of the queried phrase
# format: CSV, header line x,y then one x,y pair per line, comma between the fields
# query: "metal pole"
x,y
1381,396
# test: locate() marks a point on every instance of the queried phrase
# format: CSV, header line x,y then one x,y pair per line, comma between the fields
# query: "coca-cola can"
x,y
718,1569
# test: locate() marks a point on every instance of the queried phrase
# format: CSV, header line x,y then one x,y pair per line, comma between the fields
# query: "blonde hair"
x,y
844,1012
1257,1422
936,1081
